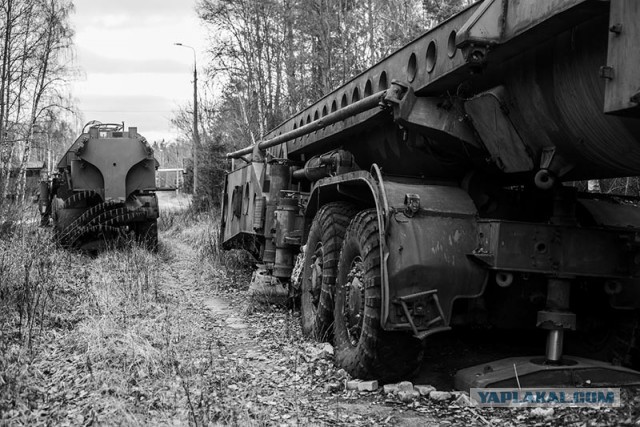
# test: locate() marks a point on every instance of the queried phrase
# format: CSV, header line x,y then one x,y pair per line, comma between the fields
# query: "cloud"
x,y
116,14
128,33
133,72
178,87
150,114
130,104
97,63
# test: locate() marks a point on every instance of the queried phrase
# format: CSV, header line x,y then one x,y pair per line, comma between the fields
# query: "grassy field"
x,y
172,201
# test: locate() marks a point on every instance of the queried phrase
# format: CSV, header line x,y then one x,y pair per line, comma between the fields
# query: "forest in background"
x,y
268,59
271,58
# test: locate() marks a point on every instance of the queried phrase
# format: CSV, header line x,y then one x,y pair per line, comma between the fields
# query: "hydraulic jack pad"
x,y
517,372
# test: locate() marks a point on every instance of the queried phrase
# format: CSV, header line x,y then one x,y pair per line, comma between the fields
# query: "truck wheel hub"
x,y
354,301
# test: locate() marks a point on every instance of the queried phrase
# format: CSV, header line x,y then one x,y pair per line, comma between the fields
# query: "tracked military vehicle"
x,y
103,190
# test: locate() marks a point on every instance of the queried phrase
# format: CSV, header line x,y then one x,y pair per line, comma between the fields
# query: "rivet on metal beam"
x,y
616,29
606,72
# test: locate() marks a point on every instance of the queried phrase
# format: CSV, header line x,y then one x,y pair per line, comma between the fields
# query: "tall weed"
x,y
29,269
200,229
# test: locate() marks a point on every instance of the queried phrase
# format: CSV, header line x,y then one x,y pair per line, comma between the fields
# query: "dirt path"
x,y
255,365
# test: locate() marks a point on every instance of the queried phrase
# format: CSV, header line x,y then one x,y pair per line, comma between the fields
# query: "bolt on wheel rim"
x,y
354,301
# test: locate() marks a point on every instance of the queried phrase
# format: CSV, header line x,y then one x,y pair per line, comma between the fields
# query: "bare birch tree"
x,y
35,65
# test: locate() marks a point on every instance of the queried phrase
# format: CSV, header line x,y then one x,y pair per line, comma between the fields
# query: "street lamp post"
x,y
196,135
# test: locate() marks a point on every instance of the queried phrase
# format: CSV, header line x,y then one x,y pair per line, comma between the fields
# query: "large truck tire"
x,y
320,267
362,347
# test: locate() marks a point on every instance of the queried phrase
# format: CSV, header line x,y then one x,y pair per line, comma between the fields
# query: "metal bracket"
x,y
552,166
412,204
395,94
431,329
556,320
620,73
294,238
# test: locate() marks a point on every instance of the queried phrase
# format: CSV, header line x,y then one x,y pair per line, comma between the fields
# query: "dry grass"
x,y
111,339
80,336
29,264
171,201
201,230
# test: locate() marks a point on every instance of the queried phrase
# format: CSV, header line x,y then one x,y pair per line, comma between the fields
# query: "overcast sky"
x,y
130,69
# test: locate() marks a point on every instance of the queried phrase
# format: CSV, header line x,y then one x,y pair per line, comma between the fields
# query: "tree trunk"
x,y
372,47
290,63
39,90
5,145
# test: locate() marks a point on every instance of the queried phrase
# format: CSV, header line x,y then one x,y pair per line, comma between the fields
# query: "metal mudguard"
x,y
426,262
424,253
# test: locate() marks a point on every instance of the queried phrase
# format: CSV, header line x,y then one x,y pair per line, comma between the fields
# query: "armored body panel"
x,y
104,189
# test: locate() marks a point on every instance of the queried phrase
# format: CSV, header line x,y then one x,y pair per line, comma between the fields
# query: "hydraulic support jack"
x,y
554,369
